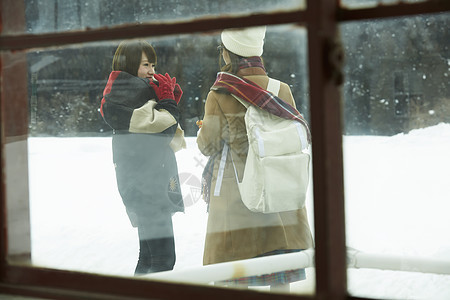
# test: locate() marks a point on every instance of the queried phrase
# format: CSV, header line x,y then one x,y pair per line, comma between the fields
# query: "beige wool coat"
x,y
233,231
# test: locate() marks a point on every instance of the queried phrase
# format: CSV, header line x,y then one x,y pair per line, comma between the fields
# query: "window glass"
x,y
54,16
87,182
396,144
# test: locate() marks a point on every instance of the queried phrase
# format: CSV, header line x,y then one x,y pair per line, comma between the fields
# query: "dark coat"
x,y
143,128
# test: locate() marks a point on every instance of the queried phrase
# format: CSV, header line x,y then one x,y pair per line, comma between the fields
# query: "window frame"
x,y
321,18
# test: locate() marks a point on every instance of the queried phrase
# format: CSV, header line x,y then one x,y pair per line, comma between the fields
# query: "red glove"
x,y
166,86
156,89
177,93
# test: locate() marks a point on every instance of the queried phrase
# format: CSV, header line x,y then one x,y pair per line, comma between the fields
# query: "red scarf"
x,y
252,93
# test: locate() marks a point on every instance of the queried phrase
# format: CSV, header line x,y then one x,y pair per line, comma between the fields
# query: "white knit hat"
x,y
245,42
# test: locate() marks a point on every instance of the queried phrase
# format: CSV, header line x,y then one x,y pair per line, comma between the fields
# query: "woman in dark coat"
x,y
143,114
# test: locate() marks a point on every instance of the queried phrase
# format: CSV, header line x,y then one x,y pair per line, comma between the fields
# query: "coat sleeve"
x,y
151,117
209,139
155,117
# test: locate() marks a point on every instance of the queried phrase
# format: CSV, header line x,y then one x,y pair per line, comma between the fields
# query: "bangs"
x,y
149,52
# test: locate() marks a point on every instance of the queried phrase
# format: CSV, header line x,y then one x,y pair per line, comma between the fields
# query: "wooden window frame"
x,y
321,18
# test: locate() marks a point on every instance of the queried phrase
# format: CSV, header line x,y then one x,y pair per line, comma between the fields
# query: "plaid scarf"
x,y
250,92
248,62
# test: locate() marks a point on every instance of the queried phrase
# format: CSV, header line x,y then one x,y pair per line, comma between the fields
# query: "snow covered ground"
x,y
397,192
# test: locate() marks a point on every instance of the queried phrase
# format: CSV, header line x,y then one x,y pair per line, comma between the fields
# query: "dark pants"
x,y
156,254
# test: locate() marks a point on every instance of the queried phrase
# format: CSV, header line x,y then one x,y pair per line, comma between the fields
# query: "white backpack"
x,y
276,174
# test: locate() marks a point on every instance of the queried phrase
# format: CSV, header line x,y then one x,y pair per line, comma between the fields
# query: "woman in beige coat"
x,y
233,231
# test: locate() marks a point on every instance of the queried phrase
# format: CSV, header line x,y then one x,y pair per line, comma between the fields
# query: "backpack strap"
x,y
235,171
223,160
273,86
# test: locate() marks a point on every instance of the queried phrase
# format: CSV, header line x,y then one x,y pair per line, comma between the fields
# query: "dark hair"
x,y
233,66
128,56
